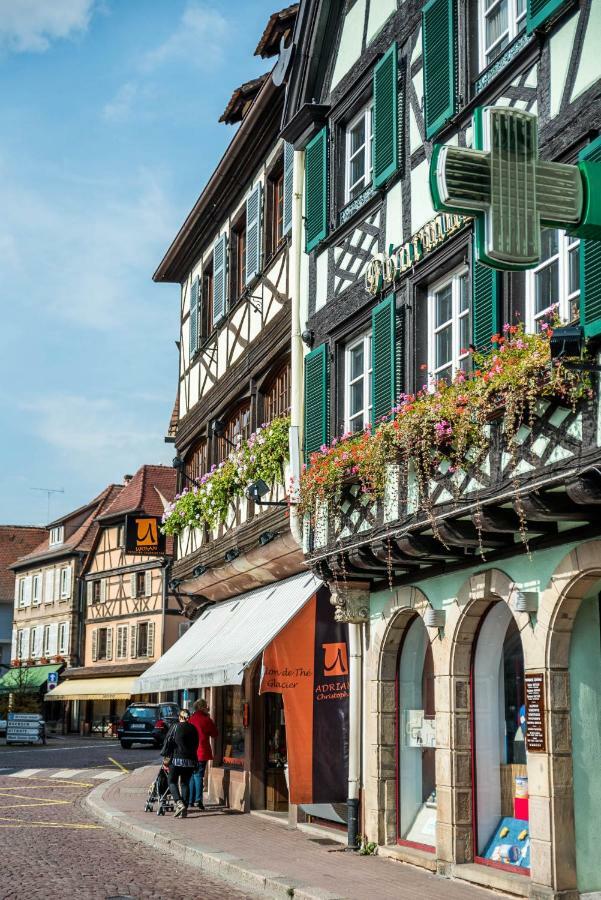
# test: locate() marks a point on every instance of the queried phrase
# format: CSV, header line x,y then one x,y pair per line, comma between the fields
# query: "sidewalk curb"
x,y
218,863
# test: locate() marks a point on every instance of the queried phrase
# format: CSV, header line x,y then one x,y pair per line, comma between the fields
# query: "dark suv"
x,y
146,723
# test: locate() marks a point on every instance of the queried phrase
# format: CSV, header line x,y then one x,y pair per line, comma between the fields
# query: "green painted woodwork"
x,y
386,117
317,386
440,63
585,705
485,305
590,250
383,358
539,11
254,232
194,315
288,186
27,678
219,279
316,190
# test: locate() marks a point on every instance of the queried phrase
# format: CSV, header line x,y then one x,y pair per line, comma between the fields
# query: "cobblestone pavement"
x,y
52,848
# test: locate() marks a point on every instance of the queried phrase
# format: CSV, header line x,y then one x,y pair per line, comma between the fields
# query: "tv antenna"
x,y
49,492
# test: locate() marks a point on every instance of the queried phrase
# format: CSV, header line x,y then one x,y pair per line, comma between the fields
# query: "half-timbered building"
x,y
473,592
129,615
47,623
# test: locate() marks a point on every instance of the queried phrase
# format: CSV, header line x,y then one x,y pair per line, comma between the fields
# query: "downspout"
x,y
296,348
354,756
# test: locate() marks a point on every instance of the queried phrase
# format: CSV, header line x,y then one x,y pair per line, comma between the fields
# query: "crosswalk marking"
x,y
24,773
106,775
66,773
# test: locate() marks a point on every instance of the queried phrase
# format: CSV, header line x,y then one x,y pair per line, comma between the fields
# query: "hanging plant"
x,y
207,502
448,423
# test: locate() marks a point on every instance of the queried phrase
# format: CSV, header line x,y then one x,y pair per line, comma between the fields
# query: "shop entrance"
x,y
501,830
276,763
416,736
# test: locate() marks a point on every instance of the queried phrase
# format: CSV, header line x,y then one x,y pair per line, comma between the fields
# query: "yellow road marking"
x,y
39,779
118,764
15,823
42,803
29,797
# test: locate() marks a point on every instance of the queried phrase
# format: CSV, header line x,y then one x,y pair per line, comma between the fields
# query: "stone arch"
x,y
381,713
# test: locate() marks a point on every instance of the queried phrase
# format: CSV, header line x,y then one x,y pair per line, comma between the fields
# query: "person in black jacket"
x,y
180,754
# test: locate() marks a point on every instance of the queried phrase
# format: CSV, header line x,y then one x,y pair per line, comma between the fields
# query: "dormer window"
x,y
358,154
57,535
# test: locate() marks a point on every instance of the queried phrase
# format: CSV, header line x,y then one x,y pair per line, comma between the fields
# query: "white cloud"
x,y
119,108
31,25
200,38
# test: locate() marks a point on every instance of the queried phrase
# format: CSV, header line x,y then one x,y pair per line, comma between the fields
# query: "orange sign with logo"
x,y
335,660
143,536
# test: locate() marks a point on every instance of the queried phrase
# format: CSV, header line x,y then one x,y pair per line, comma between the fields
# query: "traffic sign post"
x,y
52,681
25,728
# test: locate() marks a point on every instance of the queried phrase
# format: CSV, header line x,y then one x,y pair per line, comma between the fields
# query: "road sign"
x,y
52,681
24,728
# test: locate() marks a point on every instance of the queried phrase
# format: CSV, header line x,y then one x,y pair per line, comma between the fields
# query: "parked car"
x,y
146,723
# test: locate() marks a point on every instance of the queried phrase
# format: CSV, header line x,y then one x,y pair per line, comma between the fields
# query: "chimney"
x,y
127,479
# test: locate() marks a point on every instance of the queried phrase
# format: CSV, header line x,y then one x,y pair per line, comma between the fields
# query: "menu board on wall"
x,y
535,713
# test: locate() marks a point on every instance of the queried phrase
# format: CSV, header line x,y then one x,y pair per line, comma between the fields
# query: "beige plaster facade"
x,y
46,613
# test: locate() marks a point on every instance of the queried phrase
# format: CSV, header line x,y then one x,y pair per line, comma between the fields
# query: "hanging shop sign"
x,y
385,268
307,663
143,536
511,191
535,713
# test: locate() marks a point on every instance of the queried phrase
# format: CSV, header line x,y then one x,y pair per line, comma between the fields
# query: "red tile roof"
x,y
15,541
142,492
83,537
279,23
242,99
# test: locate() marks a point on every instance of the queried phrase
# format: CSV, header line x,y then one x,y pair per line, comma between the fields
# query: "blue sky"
x,y
108,133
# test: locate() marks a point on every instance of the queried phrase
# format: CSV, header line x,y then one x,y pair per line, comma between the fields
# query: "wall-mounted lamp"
x,y
218,429
198,571
256,490
267,537
179,464
568,341
231,555
174,583
308,337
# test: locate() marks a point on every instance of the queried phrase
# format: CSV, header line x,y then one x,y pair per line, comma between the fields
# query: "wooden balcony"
x,y
548,490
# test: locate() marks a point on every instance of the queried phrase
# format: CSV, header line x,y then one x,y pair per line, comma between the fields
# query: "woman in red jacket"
x,y
206,729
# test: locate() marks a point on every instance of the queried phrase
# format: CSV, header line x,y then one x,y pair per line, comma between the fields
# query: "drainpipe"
x,y
296,348
354,755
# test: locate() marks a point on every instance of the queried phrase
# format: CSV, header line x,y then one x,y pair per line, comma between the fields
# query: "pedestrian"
x,y
180,754
206,729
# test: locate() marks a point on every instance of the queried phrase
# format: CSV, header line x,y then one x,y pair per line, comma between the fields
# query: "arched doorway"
x,y
416,733
501,831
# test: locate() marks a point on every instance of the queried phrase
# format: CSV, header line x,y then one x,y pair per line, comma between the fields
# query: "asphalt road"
x,y
51,847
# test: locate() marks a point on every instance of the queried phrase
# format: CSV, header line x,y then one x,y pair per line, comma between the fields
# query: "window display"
x,y
233,726
417,739
499,741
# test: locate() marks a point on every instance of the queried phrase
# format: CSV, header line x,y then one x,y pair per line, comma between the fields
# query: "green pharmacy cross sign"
x,y
511,192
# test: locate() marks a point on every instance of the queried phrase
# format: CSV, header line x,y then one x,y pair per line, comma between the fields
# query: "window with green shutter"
x,y
384,358
288,187
316,190
540,11
439,30
317,371
254,229
194,306
485,305
590,265
386,117
219,279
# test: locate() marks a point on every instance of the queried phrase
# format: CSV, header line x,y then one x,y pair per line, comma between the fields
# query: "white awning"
x,y
226,639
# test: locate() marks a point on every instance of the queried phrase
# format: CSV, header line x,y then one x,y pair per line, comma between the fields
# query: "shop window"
x,y
500,22
357,383
417,739
448,327
499,742
554,285
237,428
277,397
197,461
233,726
358,154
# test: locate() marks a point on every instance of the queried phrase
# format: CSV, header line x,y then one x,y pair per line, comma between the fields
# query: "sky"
x,y
108,133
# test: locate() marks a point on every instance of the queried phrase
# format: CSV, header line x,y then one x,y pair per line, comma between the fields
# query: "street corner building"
x,y
129,617
448,158
239,570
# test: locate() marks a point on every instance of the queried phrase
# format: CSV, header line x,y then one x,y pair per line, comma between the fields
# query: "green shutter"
x,y
590,265
219,279
386,117
383,358
253,233
288,186
539,11
440,63
316,190
194,302
317,373
485,305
